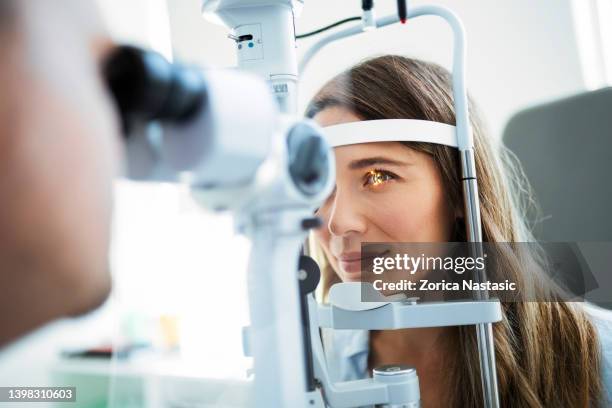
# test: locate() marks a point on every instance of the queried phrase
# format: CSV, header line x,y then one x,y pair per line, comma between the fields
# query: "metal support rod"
x,y
484,331
276,337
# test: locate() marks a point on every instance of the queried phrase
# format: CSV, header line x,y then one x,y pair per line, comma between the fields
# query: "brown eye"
x,y
377,177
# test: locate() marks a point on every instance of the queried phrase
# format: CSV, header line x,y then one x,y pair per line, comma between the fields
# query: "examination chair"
x,y
565,148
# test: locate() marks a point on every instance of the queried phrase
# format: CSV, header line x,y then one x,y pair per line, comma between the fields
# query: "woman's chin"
x,y
351,276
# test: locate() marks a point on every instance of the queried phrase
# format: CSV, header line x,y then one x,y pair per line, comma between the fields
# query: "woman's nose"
x,y
345,217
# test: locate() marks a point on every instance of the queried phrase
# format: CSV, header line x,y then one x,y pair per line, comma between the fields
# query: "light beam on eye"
x,y
377,177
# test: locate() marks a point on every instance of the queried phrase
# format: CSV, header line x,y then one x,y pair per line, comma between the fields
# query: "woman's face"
x,y
385,192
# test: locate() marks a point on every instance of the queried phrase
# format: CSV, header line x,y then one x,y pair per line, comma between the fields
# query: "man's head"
x,y
58,153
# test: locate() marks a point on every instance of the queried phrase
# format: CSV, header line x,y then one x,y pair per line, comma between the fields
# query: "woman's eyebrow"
x,y
372,161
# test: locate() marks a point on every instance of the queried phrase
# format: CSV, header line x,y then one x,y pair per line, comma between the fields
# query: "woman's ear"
x,y
459,233
458,212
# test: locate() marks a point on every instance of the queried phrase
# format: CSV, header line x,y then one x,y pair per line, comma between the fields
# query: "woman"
x,y
549,354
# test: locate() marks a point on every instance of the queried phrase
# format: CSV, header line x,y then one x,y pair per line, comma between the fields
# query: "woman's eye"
x,y
377,177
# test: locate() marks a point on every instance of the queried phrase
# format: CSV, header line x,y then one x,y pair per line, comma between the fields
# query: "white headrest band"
x,y
391,130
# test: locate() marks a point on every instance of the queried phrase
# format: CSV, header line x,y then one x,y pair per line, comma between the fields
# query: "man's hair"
x,y
7,12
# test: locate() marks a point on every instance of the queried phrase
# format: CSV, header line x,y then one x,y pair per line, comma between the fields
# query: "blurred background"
x,y
170,259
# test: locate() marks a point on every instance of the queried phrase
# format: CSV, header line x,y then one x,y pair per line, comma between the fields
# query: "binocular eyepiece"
x,y
145,86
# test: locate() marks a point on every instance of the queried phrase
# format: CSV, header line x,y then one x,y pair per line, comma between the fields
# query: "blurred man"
x,y
58,153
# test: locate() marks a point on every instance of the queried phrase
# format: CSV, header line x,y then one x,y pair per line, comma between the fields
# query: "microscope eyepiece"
x,y
145,86
308,158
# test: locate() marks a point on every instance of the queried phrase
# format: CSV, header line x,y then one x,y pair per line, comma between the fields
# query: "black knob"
x,y
310,274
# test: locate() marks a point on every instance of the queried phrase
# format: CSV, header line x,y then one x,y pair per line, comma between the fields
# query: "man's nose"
x,y
345,216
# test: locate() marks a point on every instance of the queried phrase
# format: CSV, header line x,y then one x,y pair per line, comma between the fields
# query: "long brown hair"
x,y
547,353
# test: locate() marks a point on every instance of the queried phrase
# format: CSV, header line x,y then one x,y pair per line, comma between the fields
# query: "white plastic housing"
x,y
271,51
232,135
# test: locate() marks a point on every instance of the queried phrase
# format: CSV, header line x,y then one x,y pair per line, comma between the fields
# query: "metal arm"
x,y
348,312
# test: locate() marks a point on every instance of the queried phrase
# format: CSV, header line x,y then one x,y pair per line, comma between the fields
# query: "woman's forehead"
x,y
389,150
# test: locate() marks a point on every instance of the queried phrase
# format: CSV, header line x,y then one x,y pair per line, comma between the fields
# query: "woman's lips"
x,y
351,266
351,262
349,256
